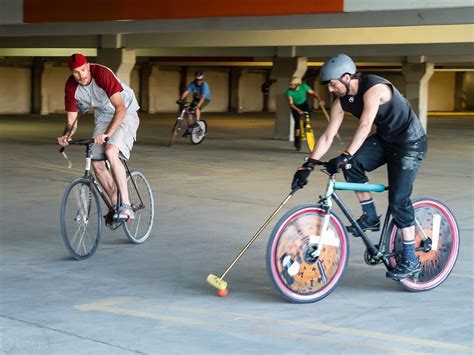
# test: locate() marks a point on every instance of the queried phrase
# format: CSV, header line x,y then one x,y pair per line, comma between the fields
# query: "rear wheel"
x,y
138,229
174,132
301,271
198,132
438,254
81,219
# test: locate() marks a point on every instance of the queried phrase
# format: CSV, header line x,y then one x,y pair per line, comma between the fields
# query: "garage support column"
x,y
417,76
283,70
120,60
145,73
460,92
37,69
234,80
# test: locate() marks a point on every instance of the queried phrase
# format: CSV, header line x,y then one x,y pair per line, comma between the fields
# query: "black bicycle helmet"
x,y
199,75
336,67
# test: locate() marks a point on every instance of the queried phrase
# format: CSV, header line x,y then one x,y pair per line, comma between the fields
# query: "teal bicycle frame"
x,y
376,253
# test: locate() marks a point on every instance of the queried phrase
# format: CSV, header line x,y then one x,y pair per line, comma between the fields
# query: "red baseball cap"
x,y
76,60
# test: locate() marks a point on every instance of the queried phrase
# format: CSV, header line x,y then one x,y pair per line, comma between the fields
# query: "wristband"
x,y
346,153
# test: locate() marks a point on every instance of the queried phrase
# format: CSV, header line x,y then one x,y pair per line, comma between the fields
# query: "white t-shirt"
x,y
97,94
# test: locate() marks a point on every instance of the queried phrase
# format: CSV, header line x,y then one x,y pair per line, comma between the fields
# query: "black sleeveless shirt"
x,y
395,120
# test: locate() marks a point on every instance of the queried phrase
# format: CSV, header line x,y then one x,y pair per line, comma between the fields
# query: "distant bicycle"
x,y
196,130
306,131
81,212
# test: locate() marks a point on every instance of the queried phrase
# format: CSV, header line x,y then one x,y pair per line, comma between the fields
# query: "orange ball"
x,y
222,293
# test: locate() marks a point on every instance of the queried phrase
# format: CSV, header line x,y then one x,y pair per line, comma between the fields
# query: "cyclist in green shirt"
x,y
298,100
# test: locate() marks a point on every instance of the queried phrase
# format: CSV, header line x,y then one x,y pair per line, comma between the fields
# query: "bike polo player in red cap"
x,y
116,120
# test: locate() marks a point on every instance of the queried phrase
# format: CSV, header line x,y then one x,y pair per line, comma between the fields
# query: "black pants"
x,y
403,161
296,116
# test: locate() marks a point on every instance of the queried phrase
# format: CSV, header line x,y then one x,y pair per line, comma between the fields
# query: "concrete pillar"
x,y
145,73
37,69
266,95
417,76
45,94
460,101
183,79
283,69
234,81
120,60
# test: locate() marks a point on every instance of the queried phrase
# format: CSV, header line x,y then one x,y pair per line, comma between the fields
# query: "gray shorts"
x,y
123,138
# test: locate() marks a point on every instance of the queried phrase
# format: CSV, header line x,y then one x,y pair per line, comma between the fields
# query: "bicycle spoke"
x,y
304,266
138,230
321,271
81,220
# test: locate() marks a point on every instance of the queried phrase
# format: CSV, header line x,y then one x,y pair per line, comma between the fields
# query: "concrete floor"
x,y
210,199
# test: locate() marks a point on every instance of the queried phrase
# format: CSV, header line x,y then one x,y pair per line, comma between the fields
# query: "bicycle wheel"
x,y
298,274
138,229
81,219
174,132
437,261
198,132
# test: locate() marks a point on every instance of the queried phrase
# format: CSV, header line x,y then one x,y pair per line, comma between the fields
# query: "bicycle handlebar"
x,y
81,142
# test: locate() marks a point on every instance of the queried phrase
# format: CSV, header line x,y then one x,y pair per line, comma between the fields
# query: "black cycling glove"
x,y
300,179
342,161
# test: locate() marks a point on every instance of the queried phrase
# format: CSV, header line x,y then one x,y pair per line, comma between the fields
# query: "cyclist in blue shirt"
x,y
201,94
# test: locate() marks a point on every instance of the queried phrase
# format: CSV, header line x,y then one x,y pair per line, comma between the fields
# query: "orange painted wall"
x,y
41,11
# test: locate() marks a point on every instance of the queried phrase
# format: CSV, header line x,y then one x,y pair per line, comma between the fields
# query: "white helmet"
x,y
199,75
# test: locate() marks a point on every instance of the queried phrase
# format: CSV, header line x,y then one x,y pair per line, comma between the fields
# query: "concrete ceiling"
x,y
443,36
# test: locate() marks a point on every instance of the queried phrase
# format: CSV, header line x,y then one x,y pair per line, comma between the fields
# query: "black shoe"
x,y
366,224
297,143
187,132
404,269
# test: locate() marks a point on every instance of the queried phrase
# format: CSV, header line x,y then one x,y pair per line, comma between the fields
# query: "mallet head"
x,y
216,282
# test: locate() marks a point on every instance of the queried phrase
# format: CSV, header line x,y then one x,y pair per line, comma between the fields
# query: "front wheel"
x,y
174,132
438,254
198,132
301,271
138,229
81,219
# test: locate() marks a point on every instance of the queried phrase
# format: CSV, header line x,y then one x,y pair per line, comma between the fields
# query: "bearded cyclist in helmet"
x,y
400,142
201,96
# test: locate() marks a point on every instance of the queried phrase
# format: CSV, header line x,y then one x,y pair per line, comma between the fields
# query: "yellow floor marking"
x,y
109,306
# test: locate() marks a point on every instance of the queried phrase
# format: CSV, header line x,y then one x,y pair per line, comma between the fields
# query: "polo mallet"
x,y
218,282
327,117
69,163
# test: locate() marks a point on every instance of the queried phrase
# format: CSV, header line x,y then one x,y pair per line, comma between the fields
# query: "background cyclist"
x,y
298,100
201,96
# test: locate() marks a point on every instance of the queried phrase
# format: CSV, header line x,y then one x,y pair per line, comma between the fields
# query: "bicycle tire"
x,y
198,133
313,279
439,223
138,229
174,132
81,219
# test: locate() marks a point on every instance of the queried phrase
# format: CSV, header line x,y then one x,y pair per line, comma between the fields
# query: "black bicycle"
x,y
198,127
82,219
308,250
